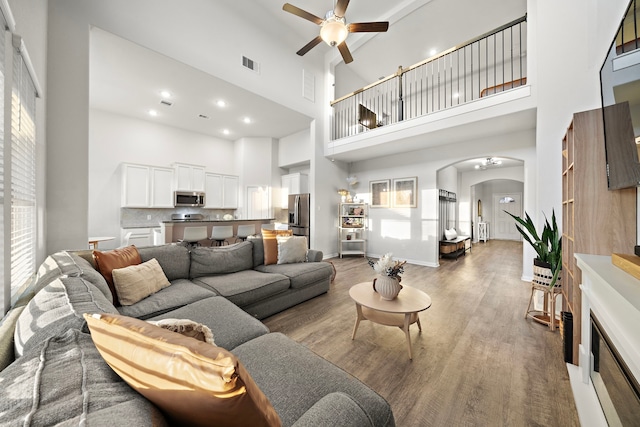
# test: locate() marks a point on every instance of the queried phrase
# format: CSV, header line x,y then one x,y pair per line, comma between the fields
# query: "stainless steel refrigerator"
x,y
299,207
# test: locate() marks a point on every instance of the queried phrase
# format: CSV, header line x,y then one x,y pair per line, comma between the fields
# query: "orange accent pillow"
x,y
271,244
118,258
194,383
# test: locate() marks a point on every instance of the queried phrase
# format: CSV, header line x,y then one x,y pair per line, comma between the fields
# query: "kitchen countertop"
x,y
182,221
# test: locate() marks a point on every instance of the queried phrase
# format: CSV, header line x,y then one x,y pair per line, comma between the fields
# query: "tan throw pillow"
x,y
271,245
136,282
291,249
192,382
117,258
186,327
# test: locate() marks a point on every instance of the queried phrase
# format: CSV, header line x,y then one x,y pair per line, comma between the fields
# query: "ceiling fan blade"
x,y
368,27
344,51
341,8
313,43
302,13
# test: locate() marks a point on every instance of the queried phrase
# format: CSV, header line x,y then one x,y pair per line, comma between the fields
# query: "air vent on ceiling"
x,y
203,116
166,103
250,64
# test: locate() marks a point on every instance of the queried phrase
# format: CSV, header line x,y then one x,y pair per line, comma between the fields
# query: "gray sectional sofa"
x,y
52,373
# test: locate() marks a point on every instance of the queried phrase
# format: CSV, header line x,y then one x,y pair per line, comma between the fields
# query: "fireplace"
x,y
616,387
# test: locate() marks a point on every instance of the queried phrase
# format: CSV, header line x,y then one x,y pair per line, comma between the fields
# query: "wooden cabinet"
x,y
221,191
146,186
352,228
594,220
189,177
293,183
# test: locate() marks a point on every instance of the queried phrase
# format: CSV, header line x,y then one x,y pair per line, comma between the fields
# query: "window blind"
x,y
23,175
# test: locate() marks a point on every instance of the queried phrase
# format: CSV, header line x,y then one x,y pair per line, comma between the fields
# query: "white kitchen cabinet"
x,y
213,189
161,187
229,192
139,237
135,186
146,186
189,177
221,191
293,183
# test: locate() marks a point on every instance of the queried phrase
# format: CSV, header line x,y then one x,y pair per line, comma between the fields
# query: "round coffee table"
x,y
401,312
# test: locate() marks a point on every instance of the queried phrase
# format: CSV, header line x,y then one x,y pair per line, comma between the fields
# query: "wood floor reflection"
x,y
477,362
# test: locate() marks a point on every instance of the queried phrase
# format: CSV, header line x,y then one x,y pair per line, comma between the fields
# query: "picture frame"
x,y
380,191
405,192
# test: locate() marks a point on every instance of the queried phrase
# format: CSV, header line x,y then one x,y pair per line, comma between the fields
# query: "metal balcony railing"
x,y
489,64
627,38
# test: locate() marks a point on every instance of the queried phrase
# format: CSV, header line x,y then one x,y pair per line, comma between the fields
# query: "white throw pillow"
x,y
450,234
291,249
137,282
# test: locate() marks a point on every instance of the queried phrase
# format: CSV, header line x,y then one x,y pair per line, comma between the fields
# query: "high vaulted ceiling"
x,y
127,78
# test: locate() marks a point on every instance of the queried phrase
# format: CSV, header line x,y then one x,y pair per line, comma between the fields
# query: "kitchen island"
x,y
173,230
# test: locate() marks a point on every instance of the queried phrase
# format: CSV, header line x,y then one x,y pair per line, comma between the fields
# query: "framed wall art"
x,y
405,192
380,193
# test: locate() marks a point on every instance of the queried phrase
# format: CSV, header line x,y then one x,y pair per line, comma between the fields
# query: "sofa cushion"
x,y
221,259
291,249
271,245
59,306
180,293
230,325
300,274
186,327
294,379
245,287
332,410
174,259
137,282
64,381
207,385
258,249
116,258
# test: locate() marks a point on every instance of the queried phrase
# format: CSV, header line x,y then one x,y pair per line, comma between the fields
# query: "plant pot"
x,y
388,287
542,273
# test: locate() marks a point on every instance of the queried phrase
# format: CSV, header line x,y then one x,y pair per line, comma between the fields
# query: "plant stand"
x,y
546,316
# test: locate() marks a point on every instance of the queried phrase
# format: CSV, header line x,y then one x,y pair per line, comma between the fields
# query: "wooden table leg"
x,y
418,322
405,328
358,318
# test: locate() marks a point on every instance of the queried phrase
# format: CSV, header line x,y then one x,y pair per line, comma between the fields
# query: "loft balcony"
x,y
483,72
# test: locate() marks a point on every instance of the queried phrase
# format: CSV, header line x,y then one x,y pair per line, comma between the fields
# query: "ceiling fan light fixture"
x,y
334,31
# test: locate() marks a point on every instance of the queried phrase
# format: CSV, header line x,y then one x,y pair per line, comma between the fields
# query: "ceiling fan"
x,y
334,28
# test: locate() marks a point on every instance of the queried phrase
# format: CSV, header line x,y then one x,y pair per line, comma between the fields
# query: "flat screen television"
x,y
620,90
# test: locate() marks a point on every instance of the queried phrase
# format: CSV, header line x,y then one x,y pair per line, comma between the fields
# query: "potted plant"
x,y
548,245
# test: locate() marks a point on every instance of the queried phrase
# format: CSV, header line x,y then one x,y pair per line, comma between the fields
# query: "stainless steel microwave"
x,y
188,198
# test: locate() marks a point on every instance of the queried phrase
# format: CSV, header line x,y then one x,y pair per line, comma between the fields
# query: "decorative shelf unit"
x,y
352,228
594,220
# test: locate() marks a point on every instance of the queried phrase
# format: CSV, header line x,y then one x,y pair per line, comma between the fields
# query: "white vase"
x,y
388,287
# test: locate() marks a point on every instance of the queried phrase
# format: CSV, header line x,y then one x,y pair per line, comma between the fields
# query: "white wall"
x,y
295,149
255,160
114,139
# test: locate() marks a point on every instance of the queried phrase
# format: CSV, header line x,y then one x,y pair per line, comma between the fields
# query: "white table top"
x,y
409,300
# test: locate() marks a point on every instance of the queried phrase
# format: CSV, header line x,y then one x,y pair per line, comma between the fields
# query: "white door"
x,y
504,227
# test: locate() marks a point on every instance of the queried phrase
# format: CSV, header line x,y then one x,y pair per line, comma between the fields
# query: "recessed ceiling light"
x,y
153,113
165,94
247,120
221,103
225,131
432,52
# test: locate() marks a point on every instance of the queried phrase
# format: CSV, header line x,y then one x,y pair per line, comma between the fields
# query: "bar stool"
x,y
245,231
220,234
193,235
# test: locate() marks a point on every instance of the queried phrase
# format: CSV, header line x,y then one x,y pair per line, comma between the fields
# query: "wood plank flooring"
x,y
477,362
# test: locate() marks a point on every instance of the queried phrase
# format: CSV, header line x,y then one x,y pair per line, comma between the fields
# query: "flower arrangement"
x,y
386,266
